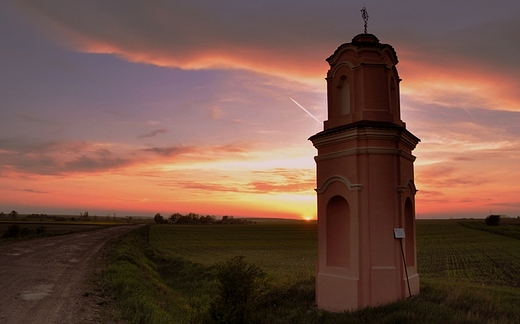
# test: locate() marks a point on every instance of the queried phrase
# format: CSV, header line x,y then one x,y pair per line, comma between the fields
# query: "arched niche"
x,y
394,97
338,232
409,228
343,95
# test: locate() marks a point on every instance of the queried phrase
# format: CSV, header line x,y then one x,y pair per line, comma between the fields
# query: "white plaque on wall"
x,y
399,233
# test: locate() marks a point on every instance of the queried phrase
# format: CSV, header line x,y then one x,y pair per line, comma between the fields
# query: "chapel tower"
x,y
365,183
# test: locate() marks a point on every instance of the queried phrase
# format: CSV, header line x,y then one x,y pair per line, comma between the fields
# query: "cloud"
x,y
459,83
265,182
39,157
432,196
34,191
153,133
276,187
101,160
216,112
168,151
185,34
444,175
508,204
254,187
211,152
287,38
33,119
283,180
208,187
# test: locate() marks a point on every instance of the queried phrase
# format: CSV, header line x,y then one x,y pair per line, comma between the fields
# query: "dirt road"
x,y
43,280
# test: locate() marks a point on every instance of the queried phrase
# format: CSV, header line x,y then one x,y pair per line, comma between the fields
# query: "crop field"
x,y
449,251
468,274
446,249
287,251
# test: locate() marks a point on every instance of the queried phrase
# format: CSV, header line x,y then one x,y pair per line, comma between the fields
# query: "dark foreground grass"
x,y
134,281
166,274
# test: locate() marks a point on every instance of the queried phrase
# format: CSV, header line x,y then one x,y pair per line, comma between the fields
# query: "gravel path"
x,y
44,280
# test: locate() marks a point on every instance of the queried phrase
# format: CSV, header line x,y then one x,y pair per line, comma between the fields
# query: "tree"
x,y
208,219
158,218
175,217
13,214
83,216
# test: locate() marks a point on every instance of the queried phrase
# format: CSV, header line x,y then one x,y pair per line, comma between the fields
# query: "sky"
x,y
158,106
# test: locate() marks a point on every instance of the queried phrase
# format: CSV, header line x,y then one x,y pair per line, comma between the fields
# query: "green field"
x,y
287,251
166,274
452,252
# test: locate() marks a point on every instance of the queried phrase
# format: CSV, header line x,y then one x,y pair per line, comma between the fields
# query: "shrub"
x,y
25,231
240,285
41,229
12,231
493,220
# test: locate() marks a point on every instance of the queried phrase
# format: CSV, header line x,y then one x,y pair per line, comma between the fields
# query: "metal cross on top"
x,y
364,15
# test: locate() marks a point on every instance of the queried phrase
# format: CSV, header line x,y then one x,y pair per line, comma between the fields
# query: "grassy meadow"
x,y
166,273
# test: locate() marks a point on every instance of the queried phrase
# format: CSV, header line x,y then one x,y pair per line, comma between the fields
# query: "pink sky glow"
x,y
185,106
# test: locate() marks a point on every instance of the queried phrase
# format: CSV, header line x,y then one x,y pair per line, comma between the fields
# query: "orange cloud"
x,y
62,158
458,82
185,36
467,181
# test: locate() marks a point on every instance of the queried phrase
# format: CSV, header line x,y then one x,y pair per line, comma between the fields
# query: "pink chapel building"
x,y
365,183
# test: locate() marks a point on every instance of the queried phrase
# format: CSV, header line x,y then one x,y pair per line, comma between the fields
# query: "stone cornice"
x,y
365,130
365,150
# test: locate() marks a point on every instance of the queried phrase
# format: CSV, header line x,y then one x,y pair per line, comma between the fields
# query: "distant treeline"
x,y
193,218
85,217
13,215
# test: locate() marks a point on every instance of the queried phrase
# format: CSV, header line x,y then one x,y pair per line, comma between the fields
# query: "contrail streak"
x,y
316,119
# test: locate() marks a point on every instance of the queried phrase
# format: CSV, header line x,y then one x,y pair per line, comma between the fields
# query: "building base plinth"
x,y
336,293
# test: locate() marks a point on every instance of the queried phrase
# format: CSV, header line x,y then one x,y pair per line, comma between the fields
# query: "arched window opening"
x,y
409,221
338,232
394,105
343,91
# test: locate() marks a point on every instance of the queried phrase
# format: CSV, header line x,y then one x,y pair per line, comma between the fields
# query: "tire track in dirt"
x,y
42,280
